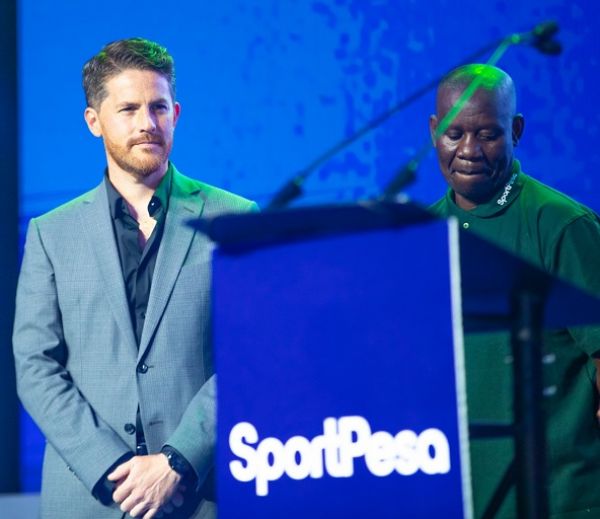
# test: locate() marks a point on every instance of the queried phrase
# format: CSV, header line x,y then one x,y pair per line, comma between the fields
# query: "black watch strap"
x,y
176,461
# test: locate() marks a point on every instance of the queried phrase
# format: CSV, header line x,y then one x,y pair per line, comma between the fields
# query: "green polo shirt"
x,y
562,237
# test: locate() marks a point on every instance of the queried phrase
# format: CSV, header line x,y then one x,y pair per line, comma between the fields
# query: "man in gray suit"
x,y
112,332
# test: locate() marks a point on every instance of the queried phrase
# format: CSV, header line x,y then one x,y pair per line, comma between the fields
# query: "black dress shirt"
x,y
137,264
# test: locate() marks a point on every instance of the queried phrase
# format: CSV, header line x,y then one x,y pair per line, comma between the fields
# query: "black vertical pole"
x,y
530,437
9,225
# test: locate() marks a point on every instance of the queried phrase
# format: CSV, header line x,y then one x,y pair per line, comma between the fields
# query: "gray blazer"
x,y
76,356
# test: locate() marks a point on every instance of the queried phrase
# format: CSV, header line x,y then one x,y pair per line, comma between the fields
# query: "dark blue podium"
x,y
338,337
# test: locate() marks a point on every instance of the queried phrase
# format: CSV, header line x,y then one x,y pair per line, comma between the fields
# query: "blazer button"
x,y
129,428
142,368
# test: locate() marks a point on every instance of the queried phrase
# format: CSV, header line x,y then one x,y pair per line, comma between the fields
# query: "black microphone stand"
x,y
293,188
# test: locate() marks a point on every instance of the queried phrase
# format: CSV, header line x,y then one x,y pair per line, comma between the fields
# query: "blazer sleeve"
x,y
195,436
82,438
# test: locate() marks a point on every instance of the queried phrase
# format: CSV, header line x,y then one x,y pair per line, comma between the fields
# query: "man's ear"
x,y
176,113
518,125
93,123
433,123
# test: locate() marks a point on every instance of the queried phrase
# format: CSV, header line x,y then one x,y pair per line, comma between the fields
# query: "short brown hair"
x,y
114,58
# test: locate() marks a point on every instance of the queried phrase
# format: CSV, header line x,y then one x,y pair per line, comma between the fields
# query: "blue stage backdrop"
x,y
267,85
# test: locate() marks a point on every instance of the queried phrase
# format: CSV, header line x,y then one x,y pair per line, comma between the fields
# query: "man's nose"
x,y
469,148
146,120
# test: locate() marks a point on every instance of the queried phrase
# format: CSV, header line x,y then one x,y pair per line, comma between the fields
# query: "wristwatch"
x,y
176,461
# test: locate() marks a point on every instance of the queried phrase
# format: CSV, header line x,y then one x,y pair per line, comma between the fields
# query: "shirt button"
x,y
466,225
129,428
142,368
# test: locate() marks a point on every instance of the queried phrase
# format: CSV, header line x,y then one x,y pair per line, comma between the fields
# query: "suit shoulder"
x,y
224,197
215,198
66,211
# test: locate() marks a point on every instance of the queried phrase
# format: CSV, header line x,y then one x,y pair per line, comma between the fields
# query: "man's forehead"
x,y
133,80
137,77
491,101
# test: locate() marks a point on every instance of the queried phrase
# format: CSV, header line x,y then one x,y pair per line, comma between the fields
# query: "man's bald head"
x,y
490,79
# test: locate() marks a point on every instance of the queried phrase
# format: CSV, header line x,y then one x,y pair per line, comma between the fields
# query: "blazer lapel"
x,y
184,204
99,233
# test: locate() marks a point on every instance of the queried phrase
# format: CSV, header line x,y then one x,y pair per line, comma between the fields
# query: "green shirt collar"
x,y
499,202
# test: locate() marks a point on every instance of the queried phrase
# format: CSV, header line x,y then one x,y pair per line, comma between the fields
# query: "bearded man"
x,y
112,330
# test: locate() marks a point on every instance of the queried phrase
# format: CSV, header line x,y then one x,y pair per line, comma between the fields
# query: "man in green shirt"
x,y
490,195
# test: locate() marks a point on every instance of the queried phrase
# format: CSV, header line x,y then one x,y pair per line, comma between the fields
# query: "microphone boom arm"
x,y
539,37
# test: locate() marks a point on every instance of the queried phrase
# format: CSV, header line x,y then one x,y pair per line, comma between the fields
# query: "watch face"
x,y
176,463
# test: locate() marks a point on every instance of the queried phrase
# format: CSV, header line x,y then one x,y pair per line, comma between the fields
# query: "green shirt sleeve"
x,y
577,259
577,254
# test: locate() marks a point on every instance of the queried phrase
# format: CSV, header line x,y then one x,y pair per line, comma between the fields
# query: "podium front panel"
x,y
340,381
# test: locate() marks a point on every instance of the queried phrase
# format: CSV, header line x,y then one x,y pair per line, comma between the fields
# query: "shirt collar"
x,y
159,199
505,196
162,193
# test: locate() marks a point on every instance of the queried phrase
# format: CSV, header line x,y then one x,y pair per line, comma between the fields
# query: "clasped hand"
x,y
146,486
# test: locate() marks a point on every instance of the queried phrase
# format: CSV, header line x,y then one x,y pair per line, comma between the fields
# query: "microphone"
x,y
540,37
545,30
406,175
290,191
